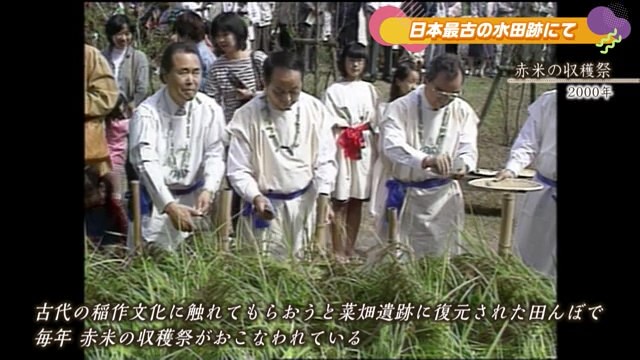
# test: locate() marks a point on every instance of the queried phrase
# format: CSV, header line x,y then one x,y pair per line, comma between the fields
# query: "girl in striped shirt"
x,y
236,75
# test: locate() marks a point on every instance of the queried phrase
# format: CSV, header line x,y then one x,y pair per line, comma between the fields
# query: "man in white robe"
x,y
281,158
535,236
429,140
176,149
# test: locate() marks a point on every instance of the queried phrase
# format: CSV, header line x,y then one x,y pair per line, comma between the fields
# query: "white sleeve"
x,y
525,148
394,142
239,168
214,151
326,167
143,130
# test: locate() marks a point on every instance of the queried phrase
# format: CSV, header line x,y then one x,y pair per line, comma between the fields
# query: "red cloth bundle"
x,y
351,140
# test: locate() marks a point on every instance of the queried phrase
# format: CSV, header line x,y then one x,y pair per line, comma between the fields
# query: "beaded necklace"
x,y
437,149
272,131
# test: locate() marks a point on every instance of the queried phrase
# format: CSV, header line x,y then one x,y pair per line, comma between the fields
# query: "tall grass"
x,y
477,279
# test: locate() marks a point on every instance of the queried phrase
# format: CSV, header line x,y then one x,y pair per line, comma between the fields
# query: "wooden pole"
x,y
321,224
517,126
316,75
532,93
506,228
334,64
392,231
392,221
137,216
224,223
506,117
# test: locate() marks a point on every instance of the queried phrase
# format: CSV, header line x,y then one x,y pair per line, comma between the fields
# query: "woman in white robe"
x,y
354,103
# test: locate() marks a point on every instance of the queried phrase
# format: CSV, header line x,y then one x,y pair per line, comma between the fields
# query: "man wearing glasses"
x,y
429,142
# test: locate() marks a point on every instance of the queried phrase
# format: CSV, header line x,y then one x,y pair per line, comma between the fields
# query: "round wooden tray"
x,y
527,173
485,172
509,185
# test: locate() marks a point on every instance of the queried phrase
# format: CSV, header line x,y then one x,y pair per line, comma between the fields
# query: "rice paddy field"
x,y
204,303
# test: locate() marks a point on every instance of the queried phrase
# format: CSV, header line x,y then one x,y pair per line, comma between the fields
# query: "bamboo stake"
x,y
506,228
316,73
224,217
321,224
137,216
392,220
392,230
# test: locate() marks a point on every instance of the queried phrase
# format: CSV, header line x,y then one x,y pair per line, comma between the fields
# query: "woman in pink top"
x,y
131,70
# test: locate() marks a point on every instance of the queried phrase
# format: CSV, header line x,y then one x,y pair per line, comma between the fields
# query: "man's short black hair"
x,y
449,64
166,63
282,59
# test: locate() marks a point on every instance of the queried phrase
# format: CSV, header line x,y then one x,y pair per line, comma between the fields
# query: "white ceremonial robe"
x,y
535,237
354,103
257,165
430,219
196,140
377,200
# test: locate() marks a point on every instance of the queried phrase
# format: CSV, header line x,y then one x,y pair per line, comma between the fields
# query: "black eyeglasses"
x,y
447,95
